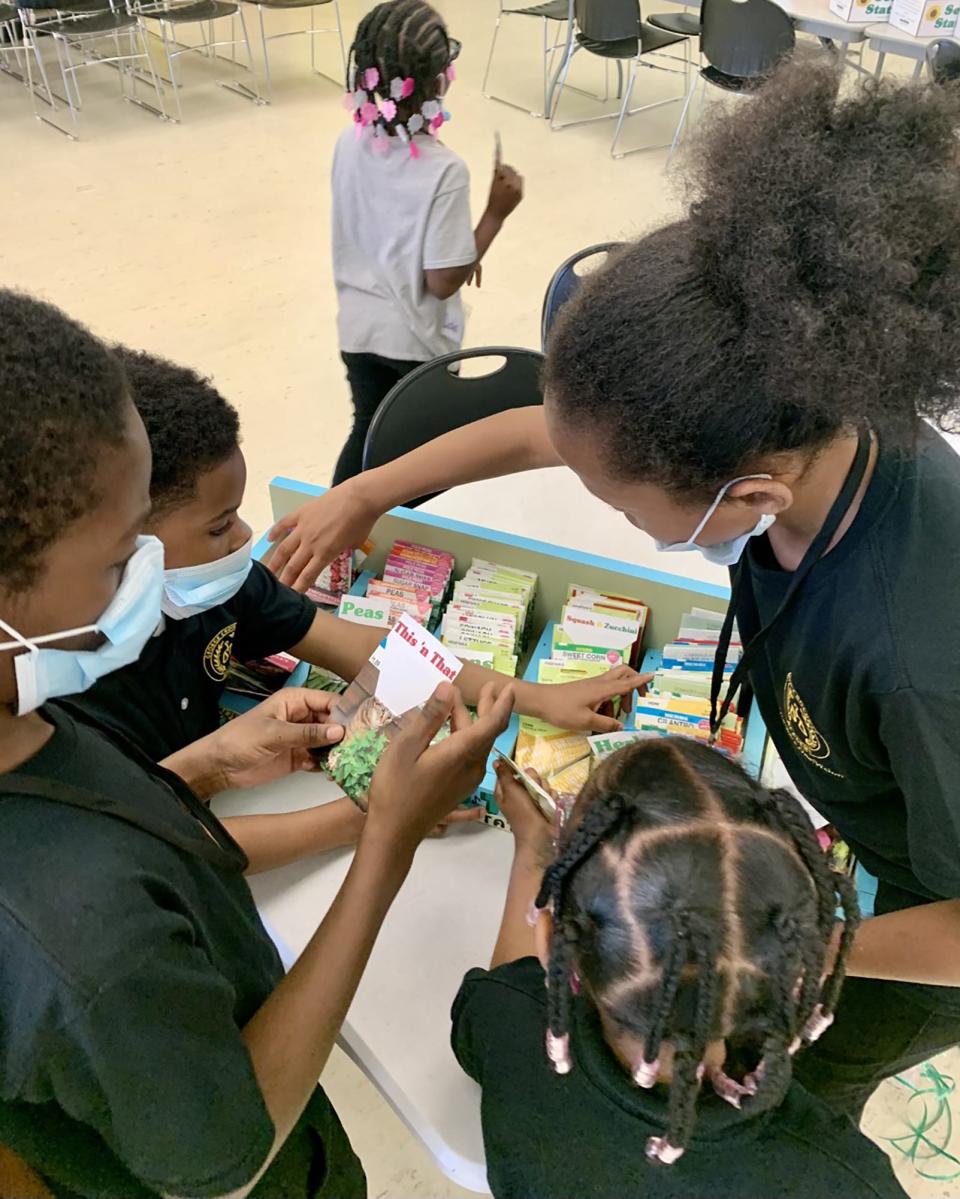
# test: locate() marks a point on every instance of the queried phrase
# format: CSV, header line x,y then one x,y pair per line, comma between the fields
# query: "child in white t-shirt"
x,y
403,242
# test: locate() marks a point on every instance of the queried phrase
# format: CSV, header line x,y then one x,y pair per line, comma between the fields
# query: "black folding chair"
x,y
614,30
742,42
566,279
436,398
943,60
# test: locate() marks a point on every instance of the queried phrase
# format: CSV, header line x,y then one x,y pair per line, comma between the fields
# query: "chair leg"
x,y
546,70
171,69
241,89
683,117
33,55
266,56
567,51
161,109
493,46
343,52
619,79
560,82
63,58
881,59
628,96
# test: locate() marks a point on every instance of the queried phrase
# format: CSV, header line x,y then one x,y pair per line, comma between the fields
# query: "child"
x,y
152,1044
218,602
683,930
403,246
789,360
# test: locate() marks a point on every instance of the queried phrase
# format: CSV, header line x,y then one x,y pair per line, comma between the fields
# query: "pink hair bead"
x,y
558,1051
645,1073
660,1150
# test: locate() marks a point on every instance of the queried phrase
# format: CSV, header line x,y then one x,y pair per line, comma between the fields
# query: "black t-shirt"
x,y
583,1134
131,955
171,695
859,682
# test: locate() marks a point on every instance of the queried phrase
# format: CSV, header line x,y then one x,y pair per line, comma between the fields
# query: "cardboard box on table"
x,y
668,596
925,18
862,12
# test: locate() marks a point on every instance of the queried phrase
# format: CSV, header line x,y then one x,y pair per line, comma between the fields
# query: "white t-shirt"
x,y
395,216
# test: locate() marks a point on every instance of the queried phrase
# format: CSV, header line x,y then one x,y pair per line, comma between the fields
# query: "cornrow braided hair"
x,y
697,907
398,57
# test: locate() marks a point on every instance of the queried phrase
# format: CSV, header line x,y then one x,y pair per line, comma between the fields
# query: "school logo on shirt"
x,y
216,657
801,730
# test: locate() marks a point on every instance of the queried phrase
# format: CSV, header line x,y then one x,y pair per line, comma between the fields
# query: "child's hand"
x,y
506,192
573,706
312,536
271,740
531,829
417,785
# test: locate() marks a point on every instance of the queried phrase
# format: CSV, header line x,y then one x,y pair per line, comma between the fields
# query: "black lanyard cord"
x,y
815,552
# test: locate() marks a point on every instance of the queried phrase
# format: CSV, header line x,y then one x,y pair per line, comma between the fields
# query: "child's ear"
x,y
543,935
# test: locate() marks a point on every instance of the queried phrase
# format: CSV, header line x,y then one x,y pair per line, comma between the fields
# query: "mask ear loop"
x,y
692,539
33,643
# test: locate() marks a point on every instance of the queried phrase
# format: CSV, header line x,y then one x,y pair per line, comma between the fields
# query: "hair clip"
x,y
451,73
371,77
755,1077
368,113
730,1090
660,1150
558,1051
645,1073
415,124
817,1025
388,110
431,109
414,149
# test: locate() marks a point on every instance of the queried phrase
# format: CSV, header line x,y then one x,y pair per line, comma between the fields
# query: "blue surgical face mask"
x,y
724,553
126,625
189,590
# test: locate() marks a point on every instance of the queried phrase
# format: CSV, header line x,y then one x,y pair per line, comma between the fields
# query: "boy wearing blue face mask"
x,y
152,1043
217,603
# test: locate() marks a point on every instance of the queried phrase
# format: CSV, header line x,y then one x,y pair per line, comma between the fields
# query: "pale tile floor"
x,y
208,242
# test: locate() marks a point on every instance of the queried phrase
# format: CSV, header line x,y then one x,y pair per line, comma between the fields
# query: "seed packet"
x,y
580,630
365,611
605,744
400,676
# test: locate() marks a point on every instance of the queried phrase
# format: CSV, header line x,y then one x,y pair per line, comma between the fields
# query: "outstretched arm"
x,y
343,647
317,531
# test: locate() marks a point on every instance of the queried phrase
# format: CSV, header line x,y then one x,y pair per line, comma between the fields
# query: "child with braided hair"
x,y
686,931
403,243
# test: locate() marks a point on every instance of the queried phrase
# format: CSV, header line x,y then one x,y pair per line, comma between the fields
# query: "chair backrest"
x,y
745,38
943,60
608,20
433,399
567,278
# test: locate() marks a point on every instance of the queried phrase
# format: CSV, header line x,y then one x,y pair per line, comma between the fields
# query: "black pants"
x,y
370,378
881,1029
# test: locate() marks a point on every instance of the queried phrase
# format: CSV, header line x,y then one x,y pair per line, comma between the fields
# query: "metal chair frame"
x,y
66,29
160,10
627,92
560,42
313,33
